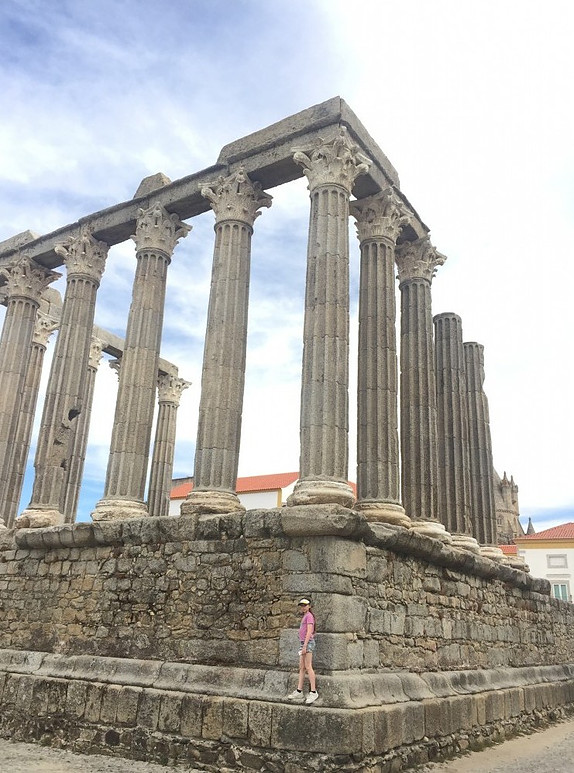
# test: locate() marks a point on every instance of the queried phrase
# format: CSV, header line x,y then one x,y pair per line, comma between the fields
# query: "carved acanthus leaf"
x,y
381,216
156,229
236,198
84,255
43,328
26,278
96,348
418,260
170,388
115,365
332,162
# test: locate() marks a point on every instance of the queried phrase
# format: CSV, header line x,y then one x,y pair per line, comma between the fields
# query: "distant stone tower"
x,y
508,525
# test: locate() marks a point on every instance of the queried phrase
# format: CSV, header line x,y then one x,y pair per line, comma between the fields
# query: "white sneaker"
x,y
296,697
312,697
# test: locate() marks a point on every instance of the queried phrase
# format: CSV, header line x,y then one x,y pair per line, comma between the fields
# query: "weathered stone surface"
x,y
319,520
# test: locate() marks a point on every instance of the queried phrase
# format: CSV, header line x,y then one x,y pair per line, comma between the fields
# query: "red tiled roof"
x,y
244,485
509,550
564,531
273,482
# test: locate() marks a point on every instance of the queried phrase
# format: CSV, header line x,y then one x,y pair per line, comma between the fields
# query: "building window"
x,y
557,561
560,591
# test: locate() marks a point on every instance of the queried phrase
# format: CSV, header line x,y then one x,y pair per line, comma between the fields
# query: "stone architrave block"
x,y
127,706
235,718
332,731
311,582
259,727
93,707
341,614
25,695
76,699
56,695
320,521
399,724
192,715
337,556
110,703
148,709
495,708
169,719
212,724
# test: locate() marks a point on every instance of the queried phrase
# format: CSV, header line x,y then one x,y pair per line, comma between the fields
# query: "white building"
x,y
550,554
257,491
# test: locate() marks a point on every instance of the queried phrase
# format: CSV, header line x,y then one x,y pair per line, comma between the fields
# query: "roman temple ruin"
x,y
171,638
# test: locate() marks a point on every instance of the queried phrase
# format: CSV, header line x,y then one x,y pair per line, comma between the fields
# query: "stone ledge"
x,y
339,690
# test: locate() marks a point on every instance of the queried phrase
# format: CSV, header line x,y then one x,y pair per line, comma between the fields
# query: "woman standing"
x,y
307,642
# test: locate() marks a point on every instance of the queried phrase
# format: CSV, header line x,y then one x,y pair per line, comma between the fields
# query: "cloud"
x,y
468,102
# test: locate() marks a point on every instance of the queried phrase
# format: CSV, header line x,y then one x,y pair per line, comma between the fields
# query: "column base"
x,y
517,562
493,552
432,529
211,502
37,518
119,510
379,511
322,492
465,542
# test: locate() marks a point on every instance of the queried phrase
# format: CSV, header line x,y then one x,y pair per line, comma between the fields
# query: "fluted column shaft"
x,y
452,425
85,259
235,201
417,263
379,221
331,169
157,233
483,511
25,282
43,330
169,394
80,440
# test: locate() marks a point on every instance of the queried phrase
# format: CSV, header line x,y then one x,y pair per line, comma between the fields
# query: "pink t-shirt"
x,y
308,619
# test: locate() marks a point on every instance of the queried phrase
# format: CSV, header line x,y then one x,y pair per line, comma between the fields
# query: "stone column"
x,y
452,427
85,260
379,222
417,264
235,201
481,466
25,280
331,169
170,389
44,328
157,233
80,439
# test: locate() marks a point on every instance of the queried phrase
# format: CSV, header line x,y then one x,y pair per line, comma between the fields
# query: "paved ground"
x,y
548,751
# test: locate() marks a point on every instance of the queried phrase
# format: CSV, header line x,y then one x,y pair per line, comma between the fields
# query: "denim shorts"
x,y
310,645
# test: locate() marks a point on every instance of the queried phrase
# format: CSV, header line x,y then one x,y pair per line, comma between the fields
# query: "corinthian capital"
x,y
332,162
381,216
236,198
418,260
84,255
27,279
96,348
156,229
43,328
170,388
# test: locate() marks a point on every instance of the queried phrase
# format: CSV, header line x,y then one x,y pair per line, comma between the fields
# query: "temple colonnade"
x,y
437,480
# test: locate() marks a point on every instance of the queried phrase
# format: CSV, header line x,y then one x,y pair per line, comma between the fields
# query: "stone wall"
x,y
178,635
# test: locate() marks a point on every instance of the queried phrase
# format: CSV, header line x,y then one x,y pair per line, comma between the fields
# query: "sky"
x,y
470,101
